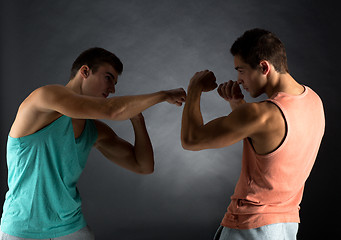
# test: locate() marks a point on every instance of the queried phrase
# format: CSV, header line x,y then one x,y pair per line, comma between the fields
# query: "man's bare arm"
x,y
62,100
47,103
138,158
242,122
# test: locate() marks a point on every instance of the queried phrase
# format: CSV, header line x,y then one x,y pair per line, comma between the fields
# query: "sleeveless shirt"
x,y
43,170
270,187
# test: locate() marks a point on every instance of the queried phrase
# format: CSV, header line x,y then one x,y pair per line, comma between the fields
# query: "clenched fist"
x,y
232,93
205,80
176,96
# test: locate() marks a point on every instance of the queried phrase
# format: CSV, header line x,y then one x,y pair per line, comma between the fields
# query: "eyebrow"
x,y
111,75
237,68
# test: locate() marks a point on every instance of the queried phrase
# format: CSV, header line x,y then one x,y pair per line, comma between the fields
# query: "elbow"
x,y
146,168
114,110
116,114
190,144
185,143
145,171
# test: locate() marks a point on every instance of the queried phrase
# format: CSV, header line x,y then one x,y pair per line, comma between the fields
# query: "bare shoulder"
x,y
44,93
36,103
260,110
31,117
48,89
48,93
271,130
271,112
261,118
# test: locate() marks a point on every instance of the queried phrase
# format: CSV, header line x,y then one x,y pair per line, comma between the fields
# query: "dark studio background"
x,y
162,44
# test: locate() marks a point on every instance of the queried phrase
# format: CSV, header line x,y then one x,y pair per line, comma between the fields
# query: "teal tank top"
x,y
43,170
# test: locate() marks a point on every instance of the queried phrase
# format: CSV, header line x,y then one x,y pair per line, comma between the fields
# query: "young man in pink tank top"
x,y
281,137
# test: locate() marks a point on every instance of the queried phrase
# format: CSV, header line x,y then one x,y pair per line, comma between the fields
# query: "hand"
x,y
205,80
231,92
176,96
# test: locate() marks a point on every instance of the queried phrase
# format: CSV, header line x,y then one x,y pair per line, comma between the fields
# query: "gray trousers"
x,y
83,234
277,231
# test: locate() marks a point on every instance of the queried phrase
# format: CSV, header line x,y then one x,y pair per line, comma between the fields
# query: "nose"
x,y
112,89
239,81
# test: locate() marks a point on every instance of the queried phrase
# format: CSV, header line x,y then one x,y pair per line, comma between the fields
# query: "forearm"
x,y
192,118
126,107
143,148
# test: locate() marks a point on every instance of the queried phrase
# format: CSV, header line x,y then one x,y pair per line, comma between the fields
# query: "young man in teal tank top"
x,y
281,137
50,140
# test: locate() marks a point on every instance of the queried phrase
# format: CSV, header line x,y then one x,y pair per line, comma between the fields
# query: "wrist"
x,y
234,104
193,94
194,87
164,95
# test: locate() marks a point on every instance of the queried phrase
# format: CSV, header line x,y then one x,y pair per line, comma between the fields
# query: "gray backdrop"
x,y
162,44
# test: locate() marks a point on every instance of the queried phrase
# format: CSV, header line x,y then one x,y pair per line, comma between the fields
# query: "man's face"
x,y
251,79
101,83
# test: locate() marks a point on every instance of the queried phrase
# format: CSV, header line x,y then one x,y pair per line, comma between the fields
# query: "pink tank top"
x,y
270,187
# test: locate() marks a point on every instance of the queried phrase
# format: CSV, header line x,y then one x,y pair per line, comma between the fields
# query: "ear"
x,y
265,67
84,71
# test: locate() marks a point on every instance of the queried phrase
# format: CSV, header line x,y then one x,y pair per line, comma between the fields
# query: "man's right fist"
x,y
176,96
205,80
230,91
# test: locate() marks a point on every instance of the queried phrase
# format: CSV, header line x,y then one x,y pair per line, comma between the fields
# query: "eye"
x,y
110,79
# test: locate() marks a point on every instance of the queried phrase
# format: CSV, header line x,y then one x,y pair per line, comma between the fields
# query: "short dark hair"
x,y
258,44
93,58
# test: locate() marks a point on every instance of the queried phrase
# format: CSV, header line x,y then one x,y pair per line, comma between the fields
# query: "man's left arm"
x,y
138,158
242,122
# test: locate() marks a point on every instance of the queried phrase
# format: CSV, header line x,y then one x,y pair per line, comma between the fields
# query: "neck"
x,y
75,85
283,83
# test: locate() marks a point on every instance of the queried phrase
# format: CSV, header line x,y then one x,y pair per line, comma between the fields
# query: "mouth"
x,y
105,95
